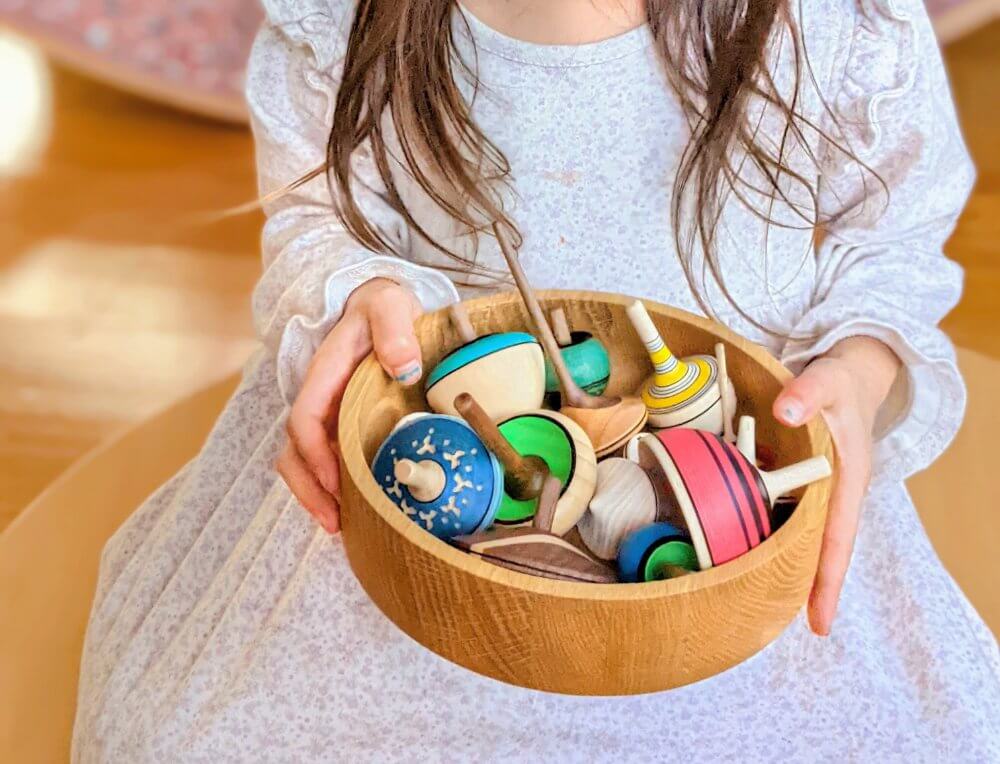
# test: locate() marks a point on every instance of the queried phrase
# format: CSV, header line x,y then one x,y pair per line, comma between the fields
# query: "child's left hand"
x,y
847,386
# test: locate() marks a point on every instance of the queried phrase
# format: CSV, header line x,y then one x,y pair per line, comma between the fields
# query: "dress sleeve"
x,y
311,264
880,269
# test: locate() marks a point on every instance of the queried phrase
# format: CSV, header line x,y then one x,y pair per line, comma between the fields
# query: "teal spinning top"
x,y
584,356
505,372
588,365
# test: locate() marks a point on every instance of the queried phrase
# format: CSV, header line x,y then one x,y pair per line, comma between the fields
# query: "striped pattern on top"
x,y
675,383
728,497
680,383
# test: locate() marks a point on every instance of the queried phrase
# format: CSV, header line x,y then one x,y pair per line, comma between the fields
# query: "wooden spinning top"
x,y
506,372
531,447
623,502
441,474
584,356
746,438
608,421
535,550
682,392
656,552
726,501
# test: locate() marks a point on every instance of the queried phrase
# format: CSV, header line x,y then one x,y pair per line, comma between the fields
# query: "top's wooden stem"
x,y
560,327
425,479
787,479
725,400
545,513
572,394
674,571
460,320
524,476
746,438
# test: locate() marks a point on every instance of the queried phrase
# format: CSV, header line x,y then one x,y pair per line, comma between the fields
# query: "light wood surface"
x,y
624,501
574,637
48,569
506,382
727,398
973,63
115,297
425,479
958,496
961,18
461,320
746,438
560,327
783,481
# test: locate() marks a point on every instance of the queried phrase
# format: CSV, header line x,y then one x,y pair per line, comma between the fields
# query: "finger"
x,y
841,528
393,337
303,484
313,416
809,393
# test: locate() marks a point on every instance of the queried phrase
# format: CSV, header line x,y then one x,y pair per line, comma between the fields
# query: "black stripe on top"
x,y
729,487
754,506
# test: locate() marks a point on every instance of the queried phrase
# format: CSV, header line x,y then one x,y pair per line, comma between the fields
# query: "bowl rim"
x,y
359,473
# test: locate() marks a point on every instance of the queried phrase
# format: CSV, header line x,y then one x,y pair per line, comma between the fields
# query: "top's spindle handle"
x,y
725,400
746,438
572,394
787,479
545,513
643,324
674,571
560,327
426,479
523,476
460,320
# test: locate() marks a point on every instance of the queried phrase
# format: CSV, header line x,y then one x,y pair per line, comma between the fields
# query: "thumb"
x,y
806,395
390,318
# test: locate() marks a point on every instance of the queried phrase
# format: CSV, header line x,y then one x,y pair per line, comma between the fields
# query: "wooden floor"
x,y
974,63
115,299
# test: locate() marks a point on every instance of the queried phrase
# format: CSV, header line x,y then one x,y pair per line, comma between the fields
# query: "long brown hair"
x,y
399,81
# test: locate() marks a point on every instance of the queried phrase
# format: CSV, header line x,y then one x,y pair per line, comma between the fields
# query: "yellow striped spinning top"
x,y
677,384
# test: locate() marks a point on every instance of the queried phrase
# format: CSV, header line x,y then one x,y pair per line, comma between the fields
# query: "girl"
x,y
679,150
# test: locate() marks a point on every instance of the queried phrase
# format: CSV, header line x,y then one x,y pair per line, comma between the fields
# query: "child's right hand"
x,y
378,314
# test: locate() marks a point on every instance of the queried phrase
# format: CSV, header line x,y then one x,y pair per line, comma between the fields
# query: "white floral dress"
x,y
228,627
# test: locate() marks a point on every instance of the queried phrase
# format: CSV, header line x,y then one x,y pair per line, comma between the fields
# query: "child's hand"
x,y
846,386
379,313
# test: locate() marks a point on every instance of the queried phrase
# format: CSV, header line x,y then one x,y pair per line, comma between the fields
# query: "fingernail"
x,y
793,411
329,525
408,373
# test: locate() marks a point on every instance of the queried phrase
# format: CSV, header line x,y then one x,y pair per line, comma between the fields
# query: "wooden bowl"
x,y
559,636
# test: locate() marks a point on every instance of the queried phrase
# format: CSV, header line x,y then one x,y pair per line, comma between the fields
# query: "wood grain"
x,y
48,569
116,297
571,637
624,501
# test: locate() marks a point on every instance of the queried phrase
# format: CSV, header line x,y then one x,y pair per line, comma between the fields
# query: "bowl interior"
x,y
756,375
